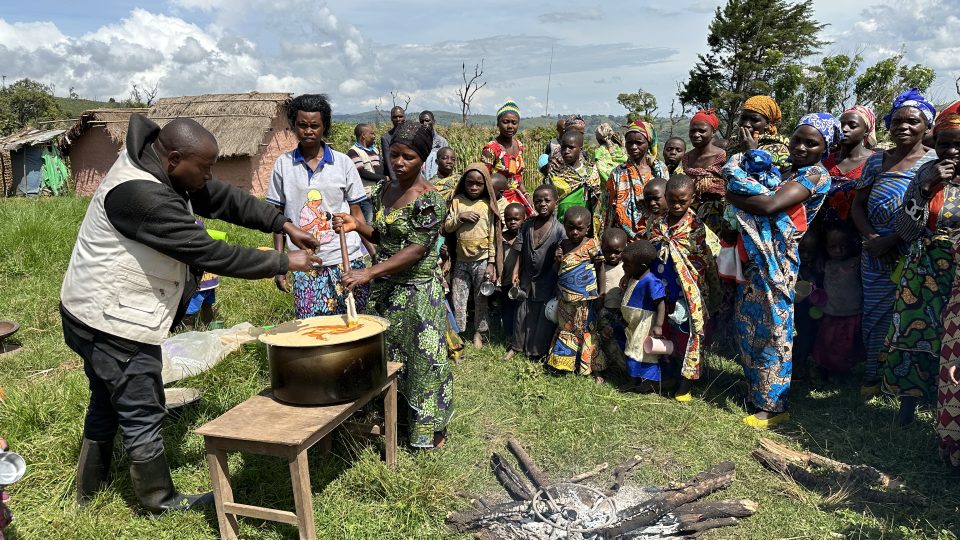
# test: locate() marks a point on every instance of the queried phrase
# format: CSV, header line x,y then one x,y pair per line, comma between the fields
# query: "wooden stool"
x,y
262,425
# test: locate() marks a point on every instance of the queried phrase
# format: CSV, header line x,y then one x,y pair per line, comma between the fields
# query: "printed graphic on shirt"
x,y
314,219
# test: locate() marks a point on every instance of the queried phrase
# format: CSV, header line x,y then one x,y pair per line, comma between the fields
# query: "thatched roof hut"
x,y
93,144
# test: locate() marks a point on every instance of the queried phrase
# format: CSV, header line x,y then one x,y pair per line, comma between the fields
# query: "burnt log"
x,y
509,479
539,479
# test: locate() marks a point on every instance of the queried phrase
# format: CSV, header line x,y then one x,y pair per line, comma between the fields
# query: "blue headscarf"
x,y
911,98
826,124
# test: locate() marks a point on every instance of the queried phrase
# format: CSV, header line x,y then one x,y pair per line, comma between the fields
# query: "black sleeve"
x,y
369,176
219,200
156,216
385,155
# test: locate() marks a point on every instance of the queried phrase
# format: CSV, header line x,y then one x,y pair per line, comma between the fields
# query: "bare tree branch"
x,y
406,99
470,88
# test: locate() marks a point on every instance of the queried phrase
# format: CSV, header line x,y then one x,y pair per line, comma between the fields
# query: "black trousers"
x,y
126,389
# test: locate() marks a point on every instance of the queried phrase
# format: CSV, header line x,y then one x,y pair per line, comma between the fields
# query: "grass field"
x,y
569,425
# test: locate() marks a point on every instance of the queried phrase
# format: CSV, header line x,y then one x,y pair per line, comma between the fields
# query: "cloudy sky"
x,y
416,47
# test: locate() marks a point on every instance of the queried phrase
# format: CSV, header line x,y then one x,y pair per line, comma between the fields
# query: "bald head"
x,y
187,152
187,136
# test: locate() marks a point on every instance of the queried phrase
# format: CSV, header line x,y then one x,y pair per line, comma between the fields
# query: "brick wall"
x,y
91,156
278,140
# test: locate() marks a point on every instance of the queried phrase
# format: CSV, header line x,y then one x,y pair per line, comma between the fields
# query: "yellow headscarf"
x,y
766,106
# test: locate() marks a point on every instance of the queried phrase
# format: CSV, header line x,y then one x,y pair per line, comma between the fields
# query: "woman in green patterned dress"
x,y
407,287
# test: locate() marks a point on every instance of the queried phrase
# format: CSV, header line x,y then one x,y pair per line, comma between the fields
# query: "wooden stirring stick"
x,y
351,304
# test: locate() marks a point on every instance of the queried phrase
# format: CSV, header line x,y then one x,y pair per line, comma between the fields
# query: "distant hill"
x,y
73,107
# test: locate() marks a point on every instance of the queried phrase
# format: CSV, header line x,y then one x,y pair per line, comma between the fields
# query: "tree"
x,y
142,96
24,103
826,85
394,95
470,88
881,82
753,44
639,104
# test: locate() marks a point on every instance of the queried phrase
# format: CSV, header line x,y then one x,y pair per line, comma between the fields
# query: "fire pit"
x,y
572,510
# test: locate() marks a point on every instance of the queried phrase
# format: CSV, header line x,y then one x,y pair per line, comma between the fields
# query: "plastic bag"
x,y
191,353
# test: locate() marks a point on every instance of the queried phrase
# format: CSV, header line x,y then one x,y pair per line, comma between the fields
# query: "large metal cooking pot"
x,y
305,370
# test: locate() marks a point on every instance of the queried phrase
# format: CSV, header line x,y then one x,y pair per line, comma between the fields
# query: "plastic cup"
x,y
818,297
653,345
12,468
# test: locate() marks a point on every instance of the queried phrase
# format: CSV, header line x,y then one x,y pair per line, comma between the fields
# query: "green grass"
x,y
569,425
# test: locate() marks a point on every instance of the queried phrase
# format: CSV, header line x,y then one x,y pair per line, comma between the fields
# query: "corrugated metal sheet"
x,y
32,137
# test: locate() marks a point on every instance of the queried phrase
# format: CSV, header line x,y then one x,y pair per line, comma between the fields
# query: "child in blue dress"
x,y
644,310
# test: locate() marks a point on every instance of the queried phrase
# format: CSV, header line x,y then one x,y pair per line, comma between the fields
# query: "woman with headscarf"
x,y
704,163
916,345
880,191
407,286
773,210
758,129
846,163
610,152
504,154
624,202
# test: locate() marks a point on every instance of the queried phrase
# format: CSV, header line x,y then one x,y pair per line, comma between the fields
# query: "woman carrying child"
x,y
624,201
504,154
687,250
880,191
924,329
534,275
772,212
475,219
609,152
578,263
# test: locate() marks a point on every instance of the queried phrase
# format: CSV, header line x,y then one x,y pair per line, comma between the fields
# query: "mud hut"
x,y
30,163
93,144
251,129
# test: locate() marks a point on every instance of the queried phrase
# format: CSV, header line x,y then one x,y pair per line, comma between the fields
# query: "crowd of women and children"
x,y
809,252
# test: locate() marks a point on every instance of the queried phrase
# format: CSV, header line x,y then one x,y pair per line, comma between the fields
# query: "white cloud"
x,y
29,36
352,87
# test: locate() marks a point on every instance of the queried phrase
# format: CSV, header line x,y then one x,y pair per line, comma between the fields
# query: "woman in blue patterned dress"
x,y
880,191
772,218
407,287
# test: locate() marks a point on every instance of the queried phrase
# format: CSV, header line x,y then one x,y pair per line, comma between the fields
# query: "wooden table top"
x,y
264,419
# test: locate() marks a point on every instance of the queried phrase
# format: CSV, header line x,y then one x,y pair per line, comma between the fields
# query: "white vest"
x,y
118,285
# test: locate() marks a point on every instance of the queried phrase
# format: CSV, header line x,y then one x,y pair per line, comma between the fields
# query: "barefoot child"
x,y
644,310
686,252
534,274
445,180
580,279
610,325
475,219
513,216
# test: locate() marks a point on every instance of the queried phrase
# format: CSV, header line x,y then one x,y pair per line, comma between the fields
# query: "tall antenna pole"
x,y
546,109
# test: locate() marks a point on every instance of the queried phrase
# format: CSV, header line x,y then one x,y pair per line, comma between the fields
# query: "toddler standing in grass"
x,y
535,275
580,279
610,325
475,220
644,310
513,217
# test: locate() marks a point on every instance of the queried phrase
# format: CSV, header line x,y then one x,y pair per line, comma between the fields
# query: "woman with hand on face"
x,y
407,288
758,129
880,191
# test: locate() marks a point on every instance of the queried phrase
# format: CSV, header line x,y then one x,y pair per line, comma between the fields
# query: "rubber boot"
x,y
908,408
93,470
154,488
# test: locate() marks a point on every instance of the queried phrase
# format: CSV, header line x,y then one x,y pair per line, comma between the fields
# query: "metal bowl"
x,y
8,328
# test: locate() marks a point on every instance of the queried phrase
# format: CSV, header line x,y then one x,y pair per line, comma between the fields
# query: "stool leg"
x,y
302,496
222,491
390,423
